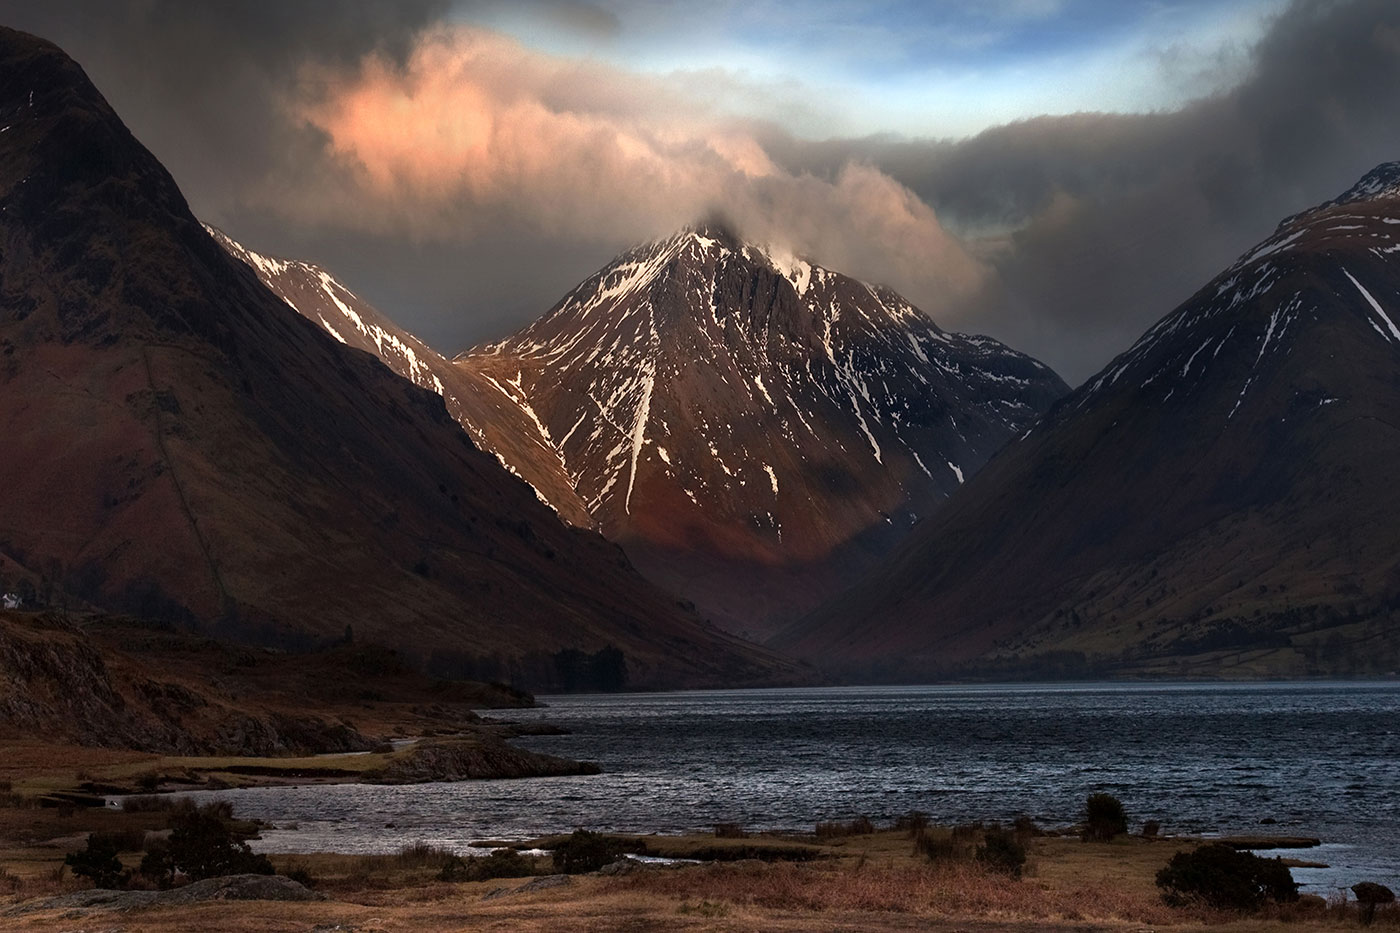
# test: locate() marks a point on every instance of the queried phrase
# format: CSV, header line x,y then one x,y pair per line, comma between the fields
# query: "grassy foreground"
x,y
872,881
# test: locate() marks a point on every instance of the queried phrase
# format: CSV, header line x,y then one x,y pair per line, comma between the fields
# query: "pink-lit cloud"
x,y
473,129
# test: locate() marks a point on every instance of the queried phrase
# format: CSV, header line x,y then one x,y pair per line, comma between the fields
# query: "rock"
x,y
230,888
623,866
535,884
544,883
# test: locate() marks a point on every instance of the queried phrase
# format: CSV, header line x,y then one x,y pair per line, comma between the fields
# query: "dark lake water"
x,y
1318,759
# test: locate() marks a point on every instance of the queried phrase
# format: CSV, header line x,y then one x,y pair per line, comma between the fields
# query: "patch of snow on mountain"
x,y
1375,305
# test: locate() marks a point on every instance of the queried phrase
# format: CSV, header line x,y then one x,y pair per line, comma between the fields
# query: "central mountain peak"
x,y
727,411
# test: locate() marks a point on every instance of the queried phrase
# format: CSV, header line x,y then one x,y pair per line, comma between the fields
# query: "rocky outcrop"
x,y
57,684
231,888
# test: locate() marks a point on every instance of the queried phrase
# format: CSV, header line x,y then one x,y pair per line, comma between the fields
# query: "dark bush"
x,y
99,863
201,846
1222,877
1104,818
730,831
586,851
502,863
1002,851
1151,828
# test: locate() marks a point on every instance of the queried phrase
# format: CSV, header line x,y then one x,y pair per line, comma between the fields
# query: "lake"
x,y
1318,759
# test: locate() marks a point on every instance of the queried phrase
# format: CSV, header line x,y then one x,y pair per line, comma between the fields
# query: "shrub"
x,y
201,846
1222,877
1104,818
1151,828
1025,827
586,851
1002,851
502,863
99,863
730,831
301,874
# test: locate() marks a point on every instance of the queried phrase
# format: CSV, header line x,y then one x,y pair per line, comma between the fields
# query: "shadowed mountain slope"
x,y
1220,499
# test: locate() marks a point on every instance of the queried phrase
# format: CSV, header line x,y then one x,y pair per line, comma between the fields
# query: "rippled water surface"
x,y
1319,759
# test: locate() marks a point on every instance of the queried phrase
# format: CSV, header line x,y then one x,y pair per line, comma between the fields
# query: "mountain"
x,y
179,445
753,429
1220,499
474,401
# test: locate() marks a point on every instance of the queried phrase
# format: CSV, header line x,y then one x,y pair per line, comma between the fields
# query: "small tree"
x,y
99,862
1220,876
201,846
1104,818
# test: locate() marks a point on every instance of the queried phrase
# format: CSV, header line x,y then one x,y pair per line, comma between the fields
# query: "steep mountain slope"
x,y
1219,499
751,427
178,444
473,400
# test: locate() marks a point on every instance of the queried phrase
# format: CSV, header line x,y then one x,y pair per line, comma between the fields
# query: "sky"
x,y
1058,174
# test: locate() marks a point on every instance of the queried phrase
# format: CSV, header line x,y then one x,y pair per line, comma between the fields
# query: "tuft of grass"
x,y
423,855
860,826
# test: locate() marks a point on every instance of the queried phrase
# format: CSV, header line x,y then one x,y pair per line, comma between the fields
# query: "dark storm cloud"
x,y
197,81
1099,224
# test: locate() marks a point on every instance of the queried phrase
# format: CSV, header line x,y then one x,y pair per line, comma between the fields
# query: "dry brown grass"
x,y
951,889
